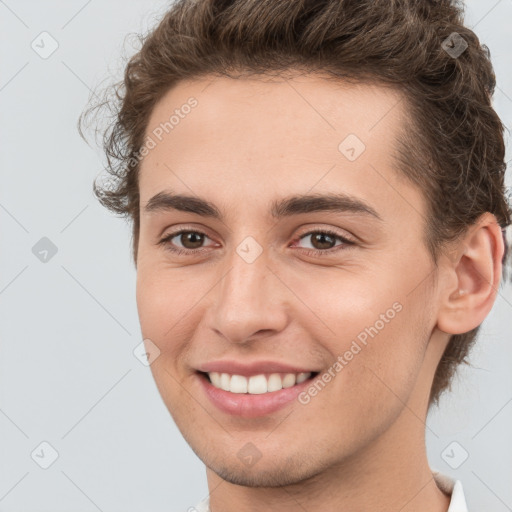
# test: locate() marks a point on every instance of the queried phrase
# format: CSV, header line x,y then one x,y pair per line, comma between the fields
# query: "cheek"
x,y
164,304
377,331
165,308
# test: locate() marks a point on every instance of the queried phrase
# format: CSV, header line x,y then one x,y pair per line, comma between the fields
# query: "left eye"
x,y
325,241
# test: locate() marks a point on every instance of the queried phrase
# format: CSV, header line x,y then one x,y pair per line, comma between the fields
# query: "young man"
x,y
317,197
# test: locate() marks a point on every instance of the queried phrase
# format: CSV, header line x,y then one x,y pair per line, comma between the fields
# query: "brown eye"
x,y
322,240
191,239
186,241
325,242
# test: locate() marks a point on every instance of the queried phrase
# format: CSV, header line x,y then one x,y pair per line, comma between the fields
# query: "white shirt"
x,y
444,482
449,486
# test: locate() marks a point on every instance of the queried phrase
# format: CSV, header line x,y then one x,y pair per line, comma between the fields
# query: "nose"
x,y
250,301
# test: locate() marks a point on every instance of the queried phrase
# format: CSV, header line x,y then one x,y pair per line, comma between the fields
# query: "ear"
x,y
472,278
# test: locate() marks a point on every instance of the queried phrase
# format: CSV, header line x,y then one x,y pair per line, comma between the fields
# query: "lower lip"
x,y
247,405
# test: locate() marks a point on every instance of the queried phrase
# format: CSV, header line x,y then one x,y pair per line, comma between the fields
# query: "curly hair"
x,y
452,149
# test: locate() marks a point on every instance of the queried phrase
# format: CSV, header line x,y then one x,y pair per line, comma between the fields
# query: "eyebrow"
x,y
286,207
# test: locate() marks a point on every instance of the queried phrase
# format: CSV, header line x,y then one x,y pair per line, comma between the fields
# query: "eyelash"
x,y
346,243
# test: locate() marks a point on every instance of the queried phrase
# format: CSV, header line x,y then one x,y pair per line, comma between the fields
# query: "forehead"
x,y
299,107
263,136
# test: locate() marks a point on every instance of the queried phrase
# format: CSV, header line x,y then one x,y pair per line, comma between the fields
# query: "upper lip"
x,y
253,368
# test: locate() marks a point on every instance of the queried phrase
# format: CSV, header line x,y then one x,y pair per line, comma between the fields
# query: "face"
x,y
249,277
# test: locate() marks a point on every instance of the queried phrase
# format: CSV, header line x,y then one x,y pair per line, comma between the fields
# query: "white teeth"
x,y
256,384
274,383
224,381
301,377
238,384
289,380
215,378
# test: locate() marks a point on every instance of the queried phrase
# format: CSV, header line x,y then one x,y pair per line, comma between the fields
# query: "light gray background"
x,y
69,326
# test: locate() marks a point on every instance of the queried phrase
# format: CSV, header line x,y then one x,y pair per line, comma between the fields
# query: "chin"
x,y
250,477
264,473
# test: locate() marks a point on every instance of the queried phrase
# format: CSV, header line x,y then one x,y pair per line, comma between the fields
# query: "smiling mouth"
x,y
256,384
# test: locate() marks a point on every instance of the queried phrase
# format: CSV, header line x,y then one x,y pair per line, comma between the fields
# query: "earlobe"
x,y
475,275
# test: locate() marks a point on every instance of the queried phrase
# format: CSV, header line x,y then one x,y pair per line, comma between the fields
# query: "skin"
x,y
359,444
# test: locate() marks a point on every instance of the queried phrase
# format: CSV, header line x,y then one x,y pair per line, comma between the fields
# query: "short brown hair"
x,y
453,149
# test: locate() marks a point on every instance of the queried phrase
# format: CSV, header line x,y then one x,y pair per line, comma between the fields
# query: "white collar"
x,y
444,482
449,486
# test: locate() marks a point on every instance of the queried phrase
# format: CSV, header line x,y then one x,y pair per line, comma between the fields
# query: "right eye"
x,y
185,237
